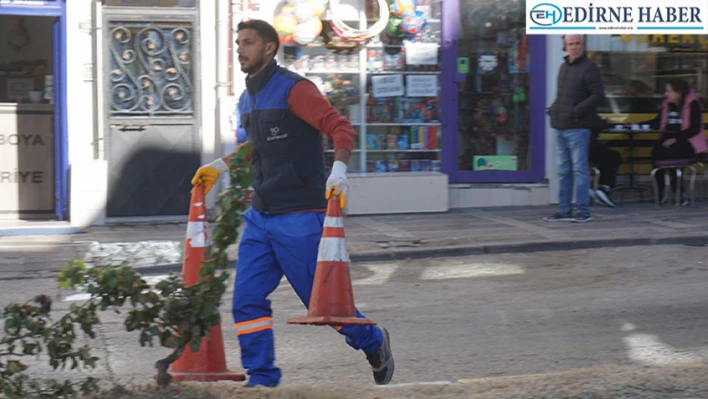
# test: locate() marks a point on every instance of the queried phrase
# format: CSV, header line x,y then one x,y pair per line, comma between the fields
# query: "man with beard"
x,y
283,115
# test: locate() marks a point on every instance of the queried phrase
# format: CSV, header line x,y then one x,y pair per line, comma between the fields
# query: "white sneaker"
x,y
604,199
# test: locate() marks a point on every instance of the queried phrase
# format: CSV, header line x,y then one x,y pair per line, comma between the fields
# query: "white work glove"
x,y
209,174
337,184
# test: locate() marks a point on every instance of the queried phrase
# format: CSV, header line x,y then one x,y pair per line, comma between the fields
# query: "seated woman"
x,y
681,121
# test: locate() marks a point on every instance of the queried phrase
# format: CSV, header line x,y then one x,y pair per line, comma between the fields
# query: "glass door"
x,y
498,89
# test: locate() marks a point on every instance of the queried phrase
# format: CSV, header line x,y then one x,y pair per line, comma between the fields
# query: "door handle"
x,y
127,126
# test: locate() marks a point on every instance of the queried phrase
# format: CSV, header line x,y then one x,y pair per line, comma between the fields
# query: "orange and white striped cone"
x,y
332,299
209,363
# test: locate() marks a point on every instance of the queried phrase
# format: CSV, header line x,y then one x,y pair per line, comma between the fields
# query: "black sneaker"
x,y
559,216
381,361
582,217
603,198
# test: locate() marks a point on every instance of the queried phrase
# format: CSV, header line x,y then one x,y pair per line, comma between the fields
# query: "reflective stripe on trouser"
x,y
270,246
251,326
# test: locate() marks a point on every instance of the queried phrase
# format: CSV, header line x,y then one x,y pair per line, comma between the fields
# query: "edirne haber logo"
x,y
617,17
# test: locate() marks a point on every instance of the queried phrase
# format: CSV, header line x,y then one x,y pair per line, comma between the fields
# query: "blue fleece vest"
x,y
287,153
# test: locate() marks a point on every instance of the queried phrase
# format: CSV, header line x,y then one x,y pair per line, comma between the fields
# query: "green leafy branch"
x,y
175,314
28,332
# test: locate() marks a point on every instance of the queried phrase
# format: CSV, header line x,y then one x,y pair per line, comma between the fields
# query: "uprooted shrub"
x,y
174,314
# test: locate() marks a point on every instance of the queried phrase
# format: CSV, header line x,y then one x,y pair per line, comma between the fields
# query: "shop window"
x,y
151,3
26,59
493,58
635,69
388,87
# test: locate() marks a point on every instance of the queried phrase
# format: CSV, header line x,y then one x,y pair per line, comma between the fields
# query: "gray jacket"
x,y
580,91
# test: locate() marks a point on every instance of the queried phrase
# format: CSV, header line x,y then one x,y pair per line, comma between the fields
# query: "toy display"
x,y
299,21
404,138
350,34
401,134
403,110
400,8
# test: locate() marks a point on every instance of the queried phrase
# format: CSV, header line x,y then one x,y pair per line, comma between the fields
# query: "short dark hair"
x,y
265,30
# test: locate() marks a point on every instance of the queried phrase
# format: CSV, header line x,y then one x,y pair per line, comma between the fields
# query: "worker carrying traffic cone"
x,y
332,300
282,115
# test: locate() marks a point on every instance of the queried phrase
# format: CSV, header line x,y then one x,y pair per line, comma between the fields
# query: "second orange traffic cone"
x,y
332,299
209,363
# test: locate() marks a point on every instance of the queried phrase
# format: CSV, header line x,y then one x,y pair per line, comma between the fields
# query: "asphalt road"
x,y
470,317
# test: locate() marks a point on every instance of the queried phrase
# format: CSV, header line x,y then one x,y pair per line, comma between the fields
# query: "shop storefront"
x,y
446,89
635,70
130,112
33,133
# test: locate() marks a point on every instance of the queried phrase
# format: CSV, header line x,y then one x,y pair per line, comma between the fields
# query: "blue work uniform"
x,y
284,225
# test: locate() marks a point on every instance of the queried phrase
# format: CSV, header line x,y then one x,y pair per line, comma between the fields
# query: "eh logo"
x,y
546,14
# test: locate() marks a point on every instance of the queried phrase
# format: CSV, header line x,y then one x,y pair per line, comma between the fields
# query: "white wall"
x,y
554,58
207,55
88,171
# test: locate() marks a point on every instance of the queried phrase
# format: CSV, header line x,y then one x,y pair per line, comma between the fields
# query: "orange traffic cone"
x,y
209,363
332,300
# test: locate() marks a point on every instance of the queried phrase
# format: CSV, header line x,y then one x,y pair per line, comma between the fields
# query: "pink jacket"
x,y
698,141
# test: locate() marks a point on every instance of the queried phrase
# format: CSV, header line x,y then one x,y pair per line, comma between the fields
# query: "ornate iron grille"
x,y
151,69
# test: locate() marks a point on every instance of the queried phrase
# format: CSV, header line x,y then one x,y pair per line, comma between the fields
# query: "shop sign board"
x,y
26,160
495,162
649,43
421,53
387,85
670,42
421,86
463,65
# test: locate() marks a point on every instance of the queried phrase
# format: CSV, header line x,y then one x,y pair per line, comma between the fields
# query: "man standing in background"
x,y
580,90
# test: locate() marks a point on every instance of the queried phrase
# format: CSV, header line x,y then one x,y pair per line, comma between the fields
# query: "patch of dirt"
x,y
612,382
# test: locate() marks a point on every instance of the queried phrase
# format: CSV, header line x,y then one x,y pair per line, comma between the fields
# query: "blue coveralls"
x,y
284,240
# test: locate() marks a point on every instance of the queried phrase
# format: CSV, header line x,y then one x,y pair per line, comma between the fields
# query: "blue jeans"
x,y
573,149
272,246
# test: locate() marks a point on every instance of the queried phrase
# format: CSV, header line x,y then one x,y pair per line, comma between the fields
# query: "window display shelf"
x,y
387,45
404,72
384,151
332,71
404,124
393,151
387,137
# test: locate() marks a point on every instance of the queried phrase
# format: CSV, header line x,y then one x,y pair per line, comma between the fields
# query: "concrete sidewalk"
x,y
158,247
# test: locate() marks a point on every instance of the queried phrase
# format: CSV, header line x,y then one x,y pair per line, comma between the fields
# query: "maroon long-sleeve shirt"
x,y
308,104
